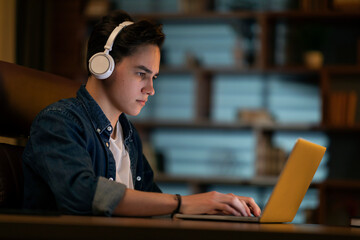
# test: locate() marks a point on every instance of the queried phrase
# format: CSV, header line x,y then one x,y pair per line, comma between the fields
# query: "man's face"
x,y
131,83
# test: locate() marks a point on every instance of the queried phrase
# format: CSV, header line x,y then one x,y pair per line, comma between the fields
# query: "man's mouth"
x,y
142,102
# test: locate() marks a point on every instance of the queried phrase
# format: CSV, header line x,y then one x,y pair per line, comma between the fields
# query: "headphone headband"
x,y
115,32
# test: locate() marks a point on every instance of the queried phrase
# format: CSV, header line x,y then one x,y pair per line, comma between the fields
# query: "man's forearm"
x,y
138,203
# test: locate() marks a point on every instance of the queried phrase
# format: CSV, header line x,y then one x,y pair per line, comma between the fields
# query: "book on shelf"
x,y
355,221
190,6
348,5
96,8
351,108
314,5
270,159
342,107
255,116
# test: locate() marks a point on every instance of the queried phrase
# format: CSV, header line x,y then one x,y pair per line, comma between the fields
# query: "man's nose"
x,y
149,88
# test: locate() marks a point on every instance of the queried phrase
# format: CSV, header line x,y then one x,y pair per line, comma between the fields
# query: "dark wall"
x,y
51,36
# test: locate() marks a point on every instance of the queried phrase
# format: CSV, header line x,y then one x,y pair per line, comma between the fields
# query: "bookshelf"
x,y
330,75
339,202
275,46
340,88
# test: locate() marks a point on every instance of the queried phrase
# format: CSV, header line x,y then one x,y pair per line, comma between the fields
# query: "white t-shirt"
x,y
122,159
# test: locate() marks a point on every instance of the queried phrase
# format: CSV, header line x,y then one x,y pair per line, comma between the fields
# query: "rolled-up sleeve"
x,y
108,194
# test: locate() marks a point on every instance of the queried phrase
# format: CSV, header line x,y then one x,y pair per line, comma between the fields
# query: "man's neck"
x,y
97,92
113,135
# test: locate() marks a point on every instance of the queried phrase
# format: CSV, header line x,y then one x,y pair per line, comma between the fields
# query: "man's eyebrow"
x,y
142,67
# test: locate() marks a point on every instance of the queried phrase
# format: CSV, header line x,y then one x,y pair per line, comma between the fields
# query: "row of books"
x,y
342,108
314,5
270,160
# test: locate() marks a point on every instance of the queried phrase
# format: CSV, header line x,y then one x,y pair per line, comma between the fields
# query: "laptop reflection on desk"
x,y
289,191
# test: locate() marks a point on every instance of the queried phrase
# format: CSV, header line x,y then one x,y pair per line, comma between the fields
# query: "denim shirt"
x,y
67,163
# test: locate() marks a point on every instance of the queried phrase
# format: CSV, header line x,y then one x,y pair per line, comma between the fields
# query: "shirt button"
x,y
109,128
138,178
111,179
98,130
107,144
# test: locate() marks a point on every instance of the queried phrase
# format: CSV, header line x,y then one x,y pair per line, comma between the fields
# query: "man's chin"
x,y
133,113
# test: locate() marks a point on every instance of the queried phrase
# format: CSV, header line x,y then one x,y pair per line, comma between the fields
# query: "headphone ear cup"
x,y
101,65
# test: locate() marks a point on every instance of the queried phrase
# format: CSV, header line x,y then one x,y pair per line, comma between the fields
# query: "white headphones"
x,y
101,64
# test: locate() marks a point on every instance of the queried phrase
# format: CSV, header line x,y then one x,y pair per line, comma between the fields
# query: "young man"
x,y
84,157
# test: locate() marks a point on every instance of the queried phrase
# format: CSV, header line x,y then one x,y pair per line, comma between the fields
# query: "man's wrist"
x,y
177,209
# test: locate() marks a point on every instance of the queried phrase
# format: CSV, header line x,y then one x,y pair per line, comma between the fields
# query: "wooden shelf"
x,y
202,16
343,184
198,124
257,181
207,124
291,70
298,70
148,124
247,14
327,14
342,69
264,181
343,129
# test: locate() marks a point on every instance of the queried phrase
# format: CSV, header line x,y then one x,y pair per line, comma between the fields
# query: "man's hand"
x,y
218,203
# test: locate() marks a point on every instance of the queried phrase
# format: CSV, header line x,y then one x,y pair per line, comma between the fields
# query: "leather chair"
x,y
23,93
11,176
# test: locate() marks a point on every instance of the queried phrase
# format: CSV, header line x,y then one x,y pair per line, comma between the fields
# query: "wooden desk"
x,y
78,227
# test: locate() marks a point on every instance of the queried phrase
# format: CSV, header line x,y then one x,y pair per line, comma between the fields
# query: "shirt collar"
x,y
99,120
126,126
97,116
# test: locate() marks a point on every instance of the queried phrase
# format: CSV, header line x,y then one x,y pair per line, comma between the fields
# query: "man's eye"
x,y
155,77
141,74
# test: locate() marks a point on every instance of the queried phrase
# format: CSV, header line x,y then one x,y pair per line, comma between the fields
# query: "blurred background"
x,y
240,81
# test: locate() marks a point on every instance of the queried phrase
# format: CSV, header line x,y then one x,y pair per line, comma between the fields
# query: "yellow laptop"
x,y
289,190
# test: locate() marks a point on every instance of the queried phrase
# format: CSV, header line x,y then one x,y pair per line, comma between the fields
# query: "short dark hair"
x,y
128,40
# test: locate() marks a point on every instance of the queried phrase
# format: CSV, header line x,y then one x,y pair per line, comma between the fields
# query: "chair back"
x,y
11,176
24,92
